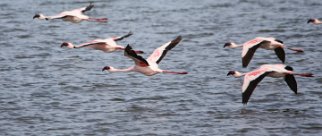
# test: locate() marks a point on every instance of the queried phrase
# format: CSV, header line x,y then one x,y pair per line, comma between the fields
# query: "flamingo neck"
x,y
121,70
234,45
238,74
317,22
71,46
43,17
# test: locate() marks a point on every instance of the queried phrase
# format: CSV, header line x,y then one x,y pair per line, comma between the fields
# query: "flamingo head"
x,y
40,16
312,20
67,44
231,73
106,68
235,73
230,45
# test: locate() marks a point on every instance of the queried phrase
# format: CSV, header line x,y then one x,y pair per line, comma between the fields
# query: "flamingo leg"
x,y
174,72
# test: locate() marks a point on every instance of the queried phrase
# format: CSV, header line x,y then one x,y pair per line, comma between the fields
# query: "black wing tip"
x,y
291,81
280,53
174,42
245,98
128,47
289,68
178,39
280,41
245,62
89,7
129,51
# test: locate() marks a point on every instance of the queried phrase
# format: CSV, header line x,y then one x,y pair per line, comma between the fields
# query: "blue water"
x,y
47,90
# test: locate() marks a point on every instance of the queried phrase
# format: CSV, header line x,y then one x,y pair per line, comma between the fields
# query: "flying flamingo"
x,y
106,45
148,66
74,16
252,78
314,21
268,43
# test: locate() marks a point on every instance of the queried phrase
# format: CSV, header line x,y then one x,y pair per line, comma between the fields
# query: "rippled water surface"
x,y
47,90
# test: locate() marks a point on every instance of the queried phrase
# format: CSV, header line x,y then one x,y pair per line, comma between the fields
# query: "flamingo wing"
x,y
250,82
249,50
59,16
139,60
280,53
291,82
122,37
84,9
160,52
88,44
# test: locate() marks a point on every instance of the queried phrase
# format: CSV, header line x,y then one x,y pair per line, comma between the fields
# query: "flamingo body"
x,y
106,45
148,66
74,16
269,43
314,21
252,78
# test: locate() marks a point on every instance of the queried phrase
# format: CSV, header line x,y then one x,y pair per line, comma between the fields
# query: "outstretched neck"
x,y
70,45
317,22
234,45
238,74
121,70
43,17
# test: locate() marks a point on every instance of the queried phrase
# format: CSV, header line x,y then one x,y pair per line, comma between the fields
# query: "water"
x,y
46,90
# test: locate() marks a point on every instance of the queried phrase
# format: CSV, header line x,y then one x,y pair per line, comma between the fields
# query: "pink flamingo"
x,y
268,43
74,16
148,66
314,21
106,45
252,78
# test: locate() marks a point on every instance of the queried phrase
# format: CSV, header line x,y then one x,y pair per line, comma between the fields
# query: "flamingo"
x,y
314,21
74,16
268,43
106,45
148,66
252,78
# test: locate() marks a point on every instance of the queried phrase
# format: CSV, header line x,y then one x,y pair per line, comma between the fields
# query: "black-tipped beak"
x,y
310,20
227,44
230,73
106,68
35,16
64,44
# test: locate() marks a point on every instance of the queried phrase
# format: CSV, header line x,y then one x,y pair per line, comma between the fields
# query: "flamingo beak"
x,y
310,20
106,68
230,73
227,44
36,16
64,44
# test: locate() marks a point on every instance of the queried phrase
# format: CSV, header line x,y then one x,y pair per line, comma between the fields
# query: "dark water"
x,y
46,90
